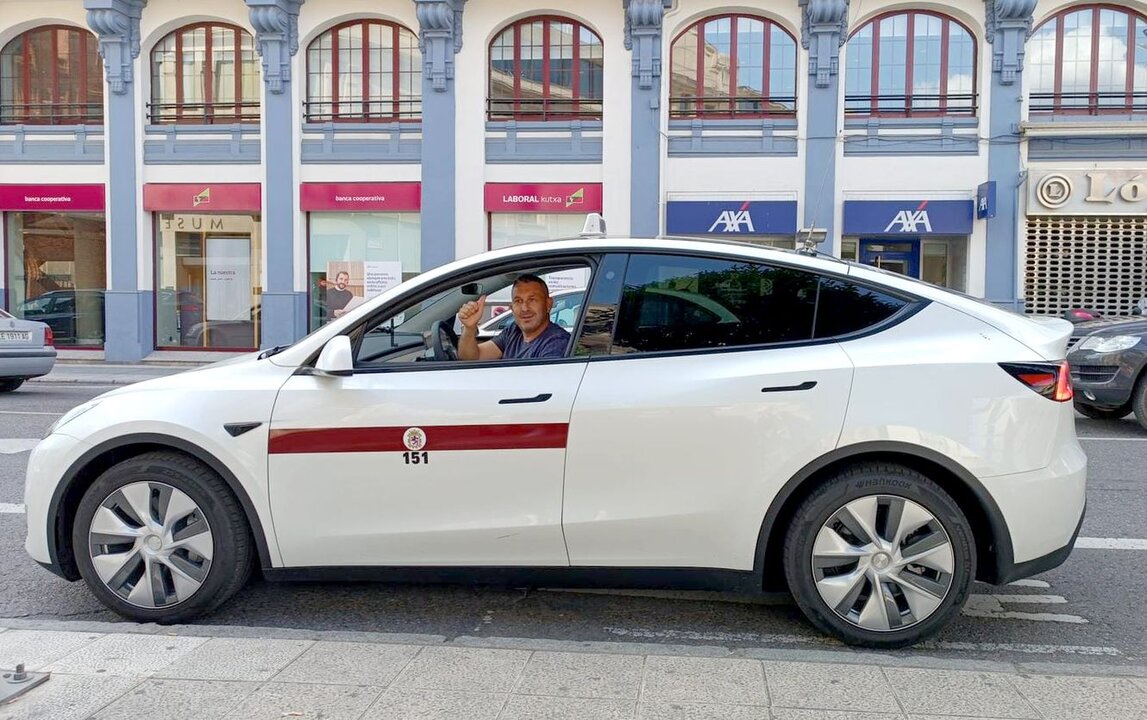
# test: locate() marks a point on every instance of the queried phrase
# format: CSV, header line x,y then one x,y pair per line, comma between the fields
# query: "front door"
x,y
899,256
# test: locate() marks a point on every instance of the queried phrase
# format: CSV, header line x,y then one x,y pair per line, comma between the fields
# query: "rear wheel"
x,y
879,556
1098,413
161,538
10,385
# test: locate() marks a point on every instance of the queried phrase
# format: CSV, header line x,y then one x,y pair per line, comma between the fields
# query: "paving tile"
x,y
346,663
535,707
275,701
68,697
178,700
467,669
1083,698
814,686
398,704
690,711
236,659
704,680
124,654
958,692
37,648
584,675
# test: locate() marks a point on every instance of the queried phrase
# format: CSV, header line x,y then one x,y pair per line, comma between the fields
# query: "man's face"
x,y
341,280
531,307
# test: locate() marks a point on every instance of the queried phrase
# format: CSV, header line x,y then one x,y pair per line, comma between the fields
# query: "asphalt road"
x,y
1085,612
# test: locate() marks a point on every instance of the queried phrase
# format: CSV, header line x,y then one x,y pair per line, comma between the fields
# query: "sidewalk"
x,y
124,670
88,368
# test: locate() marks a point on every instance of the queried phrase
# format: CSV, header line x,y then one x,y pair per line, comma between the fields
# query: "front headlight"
x,y
71,415
1109,343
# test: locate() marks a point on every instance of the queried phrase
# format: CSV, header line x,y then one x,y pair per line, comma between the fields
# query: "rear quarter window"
x,y
845,307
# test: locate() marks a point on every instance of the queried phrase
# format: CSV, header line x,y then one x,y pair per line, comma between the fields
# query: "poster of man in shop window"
x,y
350,283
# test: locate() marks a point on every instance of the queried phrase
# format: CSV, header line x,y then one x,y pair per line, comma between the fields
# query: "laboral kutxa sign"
x,y
543,197
1107,191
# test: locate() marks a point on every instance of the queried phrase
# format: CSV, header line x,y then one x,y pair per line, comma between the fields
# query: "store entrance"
x,y
899,256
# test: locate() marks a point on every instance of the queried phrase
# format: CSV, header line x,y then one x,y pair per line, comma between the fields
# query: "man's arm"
x,y
468,346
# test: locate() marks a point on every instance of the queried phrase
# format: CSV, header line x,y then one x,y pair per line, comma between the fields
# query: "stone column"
x,y
1009,24
128,316
643,22
439,39
284,313
824,28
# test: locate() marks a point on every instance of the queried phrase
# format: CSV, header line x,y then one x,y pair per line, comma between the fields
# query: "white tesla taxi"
x,y
725,416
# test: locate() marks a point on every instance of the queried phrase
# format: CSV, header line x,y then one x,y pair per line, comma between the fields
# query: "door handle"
x,y
540,397
806,385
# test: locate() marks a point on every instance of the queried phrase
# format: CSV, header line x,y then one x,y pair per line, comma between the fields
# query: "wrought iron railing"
x,y
402,109
216,113
726,106
543,108
1088,103
22,113
912,105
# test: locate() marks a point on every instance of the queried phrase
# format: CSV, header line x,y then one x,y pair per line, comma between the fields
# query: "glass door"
x,y
899,256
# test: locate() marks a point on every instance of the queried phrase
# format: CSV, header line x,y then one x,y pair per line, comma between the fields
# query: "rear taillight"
x,y
1052,380
49,338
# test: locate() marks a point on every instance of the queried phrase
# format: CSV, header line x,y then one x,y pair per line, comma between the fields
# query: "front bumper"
x,y
1106,379
47,466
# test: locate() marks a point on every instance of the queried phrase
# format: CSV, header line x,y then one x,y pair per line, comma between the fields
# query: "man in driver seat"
x,y
531,336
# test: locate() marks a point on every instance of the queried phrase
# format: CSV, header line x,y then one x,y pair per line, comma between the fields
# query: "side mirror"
x,y
336,359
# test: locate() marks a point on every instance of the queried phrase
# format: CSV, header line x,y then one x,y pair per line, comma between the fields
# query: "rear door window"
x,y
845,307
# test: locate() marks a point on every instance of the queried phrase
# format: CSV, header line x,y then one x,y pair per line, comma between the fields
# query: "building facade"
x,y
231,175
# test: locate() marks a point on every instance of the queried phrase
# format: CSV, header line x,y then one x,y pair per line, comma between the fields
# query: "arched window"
x,y
1089,60
364,71
911,64
51,76
733,66
545,68
205,73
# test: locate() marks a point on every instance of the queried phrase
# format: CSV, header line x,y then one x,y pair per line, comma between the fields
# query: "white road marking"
x,y
720,637
1033,599
1111,543
991,606
1022,648
1126,439
11,508
29,412
18,445
1030,583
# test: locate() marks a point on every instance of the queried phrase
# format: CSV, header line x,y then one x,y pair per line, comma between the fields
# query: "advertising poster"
x,y
349,284
228,285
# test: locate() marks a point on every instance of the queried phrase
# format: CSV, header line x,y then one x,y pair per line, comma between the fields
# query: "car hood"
x,y
244,370
1113,326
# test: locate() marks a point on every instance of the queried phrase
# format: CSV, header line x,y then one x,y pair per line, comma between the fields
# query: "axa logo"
x,y
734,221
910,221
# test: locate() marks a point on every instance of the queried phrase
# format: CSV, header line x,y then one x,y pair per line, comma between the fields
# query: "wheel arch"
x,y
84,472
993,541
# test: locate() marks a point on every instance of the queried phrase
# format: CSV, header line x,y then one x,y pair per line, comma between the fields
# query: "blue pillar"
x,y
284,314
824,28
643,21
439,39
129,320
1009,24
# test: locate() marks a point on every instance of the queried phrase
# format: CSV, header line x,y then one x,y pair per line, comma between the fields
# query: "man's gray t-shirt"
x,y
551,343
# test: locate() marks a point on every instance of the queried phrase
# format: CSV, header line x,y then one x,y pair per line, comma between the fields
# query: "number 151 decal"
x,y
416,458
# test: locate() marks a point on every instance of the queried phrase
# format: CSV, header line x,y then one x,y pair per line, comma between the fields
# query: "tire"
x,y
1098,413
1139,400
161,538
10,385
838,594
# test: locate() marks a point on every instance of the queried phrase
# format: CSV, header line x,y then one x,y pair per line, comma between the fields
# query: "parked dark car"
x,y
1109,368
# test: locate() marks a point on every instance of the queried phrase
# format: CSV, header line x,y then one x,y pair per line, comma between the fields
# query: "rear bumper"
x,y
26,363
1053,559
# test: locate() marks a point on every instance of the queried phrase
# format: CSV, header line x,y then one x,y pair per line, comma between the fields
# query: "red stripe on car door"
x,y
438,437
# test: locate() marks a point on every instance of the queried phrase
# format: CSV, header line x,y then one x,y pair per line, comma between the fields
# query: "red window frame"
x,y
1092,107
874,97
397,101
11,110
211,114
575,74
731,97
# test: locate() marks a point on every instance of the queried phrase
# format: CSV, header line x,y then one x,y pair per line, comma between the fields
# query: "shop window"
x,y
364,71
206,73
356,256
207,290
51,76
733,66
911,64
1089,60
56,273
508,229
545,68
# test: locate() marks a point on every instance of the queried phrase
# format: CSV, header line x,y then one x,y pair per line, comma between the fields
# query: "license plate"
x,y
15,335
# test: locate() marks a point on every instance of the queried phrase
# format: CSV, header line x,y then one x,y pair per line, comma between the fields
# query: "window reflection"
x,y
546,68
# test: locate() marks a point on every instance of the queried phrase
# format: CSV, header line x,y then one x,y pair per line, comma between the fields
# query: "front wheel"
x,y
161,538
879,556
1139,400
1098,413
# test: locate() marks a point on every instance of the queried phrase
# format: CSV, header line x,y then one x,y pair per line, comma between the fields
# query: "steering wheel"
x,y
443,340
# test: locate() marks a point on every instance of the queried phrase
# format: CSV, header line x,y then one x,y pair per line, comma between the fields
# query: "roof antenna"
x,y
594,226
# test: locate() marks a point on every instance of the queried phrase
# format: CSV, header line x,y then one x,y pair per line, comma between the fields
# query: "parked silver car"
x,y
26,351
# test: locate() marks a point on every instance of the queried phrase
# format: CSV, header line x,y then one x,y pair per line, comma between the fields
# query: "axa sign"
x,y
731,217
910,221
908,217
733,221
